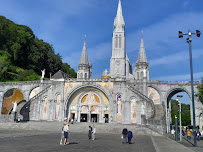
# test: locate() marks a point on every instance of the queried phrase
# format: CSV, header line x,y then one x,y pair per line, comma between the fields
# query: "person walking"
x,y
90,132
93,132
188,134
198,135
66,132
130,136
124,134
173,132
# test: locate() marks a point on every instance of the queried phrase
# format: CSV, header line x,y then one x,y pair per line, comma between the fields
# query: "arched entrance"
x,y
89,103
172,107
11,96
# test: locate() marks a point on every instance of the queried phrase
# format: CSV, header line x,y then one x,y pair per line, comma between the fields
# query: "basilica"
x,y
124,95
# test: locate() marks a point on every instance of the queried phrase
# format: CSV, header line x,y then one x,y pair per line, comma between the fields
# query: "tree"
x,y
185,113
21,51
200,91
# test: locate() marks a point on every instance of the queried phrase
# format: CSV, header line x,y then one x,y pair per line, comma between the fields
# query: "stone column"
x,y
69,113
76,111
79,111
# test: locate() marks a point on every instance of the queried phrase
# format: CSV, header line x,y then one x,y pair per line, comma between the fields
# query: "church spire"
x,y
84,58
142,55
119,17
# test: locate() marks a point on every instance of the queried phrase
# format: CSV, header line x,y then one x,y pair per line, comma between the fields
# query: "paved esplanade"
x,y
33,137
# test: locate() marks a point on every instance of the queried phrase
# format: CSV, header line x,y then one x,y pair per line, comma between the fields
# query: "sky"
x,y
63,24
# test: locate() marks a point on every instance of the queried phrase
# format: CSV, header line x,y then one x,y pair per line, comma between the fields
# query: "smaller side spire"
x,y
142,55
84,57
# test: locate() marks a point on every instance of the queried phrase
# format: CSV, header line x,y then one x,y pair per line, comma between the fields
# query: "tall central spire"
x,y
119,17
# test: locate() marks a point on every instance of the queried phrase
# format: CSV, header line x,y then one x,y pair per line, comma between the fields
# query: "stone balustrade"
x,y
25,82
173,82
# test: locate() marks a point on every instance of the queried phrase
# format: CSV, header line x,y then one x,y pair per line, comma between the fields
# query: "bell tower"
x,y
118,58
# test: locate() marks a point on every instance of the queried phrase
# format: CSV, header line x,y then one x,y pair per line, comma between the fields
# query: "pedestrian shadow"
x,y
188,141
72,143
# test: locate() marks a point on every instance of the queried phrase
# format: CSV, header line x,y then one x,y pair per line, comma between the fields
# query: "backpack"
x,y
130,134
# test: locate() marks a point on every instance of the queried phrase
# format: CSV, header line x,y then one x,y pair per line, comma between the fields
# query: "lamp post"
x,y
199,120
189,41
178,100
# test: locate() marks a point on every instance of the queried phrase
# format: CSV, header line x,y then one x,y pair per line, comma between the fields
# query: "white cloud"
x,y
185,77
175,58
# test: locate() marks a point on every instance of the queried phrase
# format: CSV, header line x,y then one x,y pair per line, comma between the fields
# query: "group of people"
x,y
92,132
187,132
72,121
127,135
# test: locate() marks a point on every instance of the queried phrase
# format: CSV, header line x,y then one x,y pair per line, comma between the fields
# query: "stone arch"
x,y
173,91
9,96
74,91
82,95
169,94
34,91
154,94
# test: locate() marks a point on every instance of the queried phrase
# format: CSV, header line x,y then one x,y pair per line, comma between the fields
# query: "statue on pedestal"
x,y
43,73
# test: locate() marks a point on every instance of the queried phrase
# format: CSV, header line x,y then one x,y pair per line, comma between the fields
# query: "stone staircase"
x,y
133,89
82,127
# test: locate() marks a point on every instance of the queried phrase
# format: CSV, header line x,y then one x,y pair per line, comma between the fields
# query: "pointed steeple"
x,y
142,55
119,17
84,58
126,57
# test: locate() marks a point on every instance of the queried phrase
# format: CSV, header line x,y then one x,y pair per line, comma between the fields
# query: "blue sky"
x,y
63,23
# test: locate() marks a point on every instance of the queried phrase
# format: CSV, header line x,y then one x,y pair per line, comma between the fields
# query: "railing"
x,y
25,82
173,82
39,94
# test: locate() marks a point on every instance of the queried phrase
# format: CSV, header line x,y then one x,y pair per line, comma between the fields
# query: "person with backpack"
x,y
130,136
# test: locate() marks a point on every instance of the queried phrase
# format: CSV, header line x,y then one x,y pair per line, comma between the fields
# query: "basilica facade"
x,y
124,95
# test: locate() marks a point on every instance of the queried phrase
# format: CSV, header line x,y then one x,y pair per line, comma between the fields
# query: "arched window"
x,y
137,75
85,75
119,41
142,75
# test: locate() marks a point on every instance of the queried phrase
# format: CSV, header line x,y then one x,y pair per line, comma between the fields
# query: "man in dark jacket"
x,y
124,133
130,136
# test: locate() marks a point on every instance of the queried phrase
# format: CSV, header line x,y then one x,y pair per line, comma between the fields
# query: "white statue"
x,y
144,71
43,73
142,109
14,106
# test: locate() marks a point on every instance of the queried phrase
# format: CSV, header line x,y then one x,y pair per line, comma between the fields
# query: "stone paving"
x,y
22,137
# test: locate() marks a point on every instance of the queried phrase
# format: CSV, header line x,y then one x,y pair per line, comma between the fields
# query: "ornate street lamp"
x,y
189,41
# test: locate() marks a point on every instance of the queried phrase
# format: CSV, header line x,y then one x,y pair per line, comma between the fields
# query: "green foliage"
x,y
28,75
185,113
200,92
22,54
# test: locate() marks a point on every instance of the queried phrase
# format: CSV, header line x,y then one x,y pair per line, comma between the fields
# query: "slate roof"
x,y
60,75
